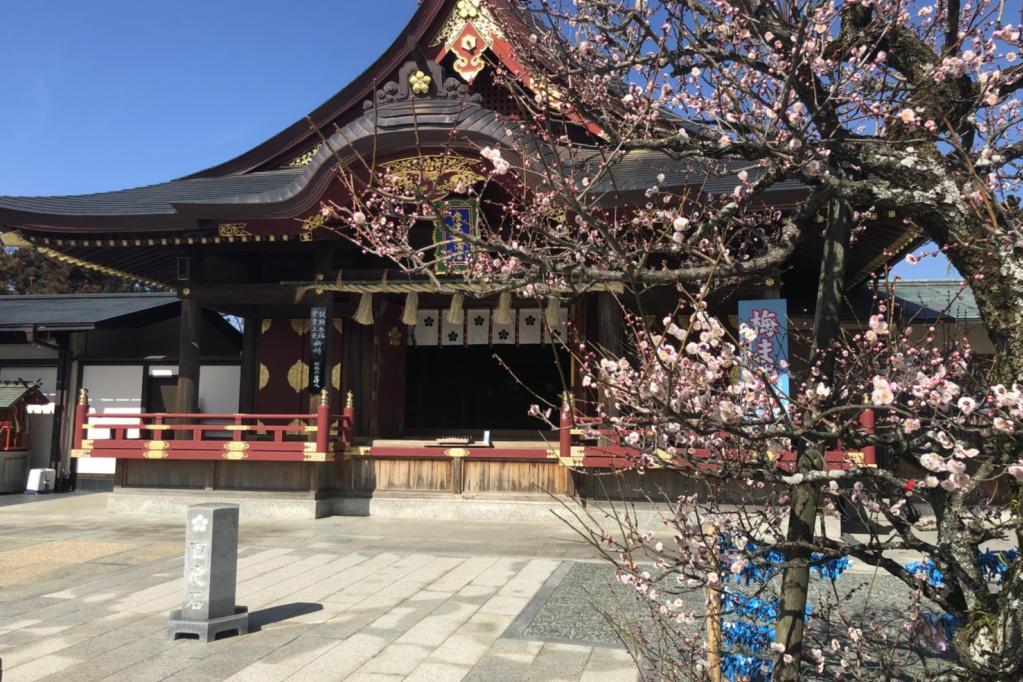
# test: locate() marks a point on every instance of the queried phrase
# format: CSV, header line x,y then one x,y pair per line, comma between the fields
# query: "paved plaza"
x,y
84,595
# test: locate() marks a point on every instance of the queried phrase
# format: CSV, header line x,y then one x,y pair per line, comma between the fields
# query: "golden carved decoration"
x,y
394,336
313,222
235,450
304,159
335,376
467,9
310,454
337,324
466,12
457,452
155,449
297,375
264,376
299,325
468,31
264,326
233,230
420,83
436,175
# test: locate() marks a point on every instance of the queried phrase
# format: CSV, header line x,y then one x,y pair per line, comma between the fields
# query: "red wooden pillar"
x,y
348,420
565,432
81,418
323,422
869,451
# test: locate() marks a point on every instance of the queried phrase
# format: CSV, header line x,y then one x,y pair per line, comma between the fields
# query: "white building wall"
x,y
112,388
118,388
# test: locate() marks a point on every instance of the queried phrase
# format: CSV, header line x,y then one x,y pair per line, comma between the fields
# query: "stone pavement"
x,y
84,595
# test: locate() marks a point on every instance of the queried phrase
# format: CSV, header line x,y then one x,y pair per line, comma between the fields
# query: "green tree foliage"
x,y
25,271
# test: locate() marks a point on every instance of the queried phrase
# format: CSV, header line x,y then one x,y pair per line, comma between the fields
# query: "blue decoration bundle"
x,y
748,625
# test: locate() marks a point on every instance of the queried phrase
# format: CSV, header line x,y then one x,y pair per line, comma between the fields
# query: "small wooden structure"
x,y
15,438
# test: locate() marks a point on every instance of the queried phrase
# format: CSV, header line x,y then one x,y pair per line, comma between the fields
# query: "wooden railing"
x,y
313,437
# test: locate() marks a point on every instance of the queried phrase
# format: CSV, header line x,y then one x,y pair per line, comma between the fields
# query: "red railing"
x,y
615,455
314,437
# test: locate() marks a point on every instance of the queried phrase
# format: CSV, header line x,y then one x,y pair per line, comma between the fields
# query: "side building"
x,y
124,347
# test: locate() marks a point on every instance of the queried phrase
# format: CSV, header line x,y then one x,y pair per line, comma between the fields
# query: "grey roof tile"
x,y
155,199
69,311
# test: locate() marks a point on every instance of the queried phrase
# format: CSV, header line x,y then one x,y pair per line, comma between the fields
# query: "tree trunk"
x,y
803,513
990,644
795,581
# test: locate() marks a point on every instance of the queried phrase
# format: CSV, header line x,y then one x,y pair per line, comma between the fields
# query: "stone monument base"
x,y
207,630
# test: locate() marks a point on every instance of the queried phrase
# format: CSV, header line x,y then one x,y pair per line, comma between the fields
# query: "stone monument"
x,y
211,572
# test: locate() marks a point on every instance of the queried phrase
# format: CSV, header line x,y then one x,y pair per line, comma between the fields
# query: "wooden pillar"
x,y
60,412
189,337
249,379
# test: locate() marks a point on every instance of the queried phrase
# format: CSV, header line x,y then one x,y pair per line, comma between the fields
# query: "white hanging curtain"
x,y
478,324
427,331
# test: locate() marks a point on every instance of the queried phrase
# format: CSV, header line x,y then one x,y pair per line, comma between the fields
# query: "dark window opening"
x,y
463,391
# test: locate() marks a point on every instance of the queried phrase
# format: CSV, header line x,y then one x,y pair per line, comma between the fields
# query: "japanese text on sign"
x,y
769,349
317,348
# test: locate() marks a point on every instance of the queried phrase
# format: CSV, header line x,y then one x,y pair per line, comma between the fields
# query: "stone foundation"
x,y
252,505
440,507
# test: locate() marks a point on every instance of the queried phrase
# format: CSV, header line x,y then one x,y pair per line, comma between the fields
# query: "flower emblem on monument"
x,y
199,523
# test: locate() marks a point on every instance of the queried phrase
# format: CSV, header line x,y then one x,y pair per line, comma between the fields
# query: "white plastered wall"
x,y
112,388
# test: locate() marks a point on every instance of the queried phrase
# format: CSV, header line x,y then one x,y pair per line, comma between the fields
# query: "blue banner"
x,y
769,349
459,216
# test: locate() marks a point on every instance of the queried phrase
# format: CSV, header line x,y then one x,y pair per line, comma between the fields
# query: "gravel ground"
x,y
579,607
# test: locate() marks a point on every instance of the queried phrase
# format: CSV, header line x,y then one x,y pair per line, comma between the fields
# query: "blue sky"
x,y
109,94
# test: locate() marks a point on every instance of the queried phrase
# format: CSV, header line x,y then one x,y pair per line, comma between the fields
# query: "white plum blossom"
x,y
932,462
883,393
967,405
501,165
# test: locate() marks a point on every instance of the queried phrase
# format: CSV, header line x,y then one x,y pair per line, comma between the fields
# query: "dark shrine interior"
x,y
456,390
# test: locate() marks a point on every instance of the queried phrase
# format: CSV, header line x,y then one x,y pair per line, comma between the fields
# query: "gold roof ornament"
x,y
437,176
468,31
420,83
304,159
233,230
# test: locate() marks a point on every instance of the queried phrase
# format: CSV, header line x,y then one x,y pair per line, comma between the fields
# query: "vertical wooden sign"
x,y
318,370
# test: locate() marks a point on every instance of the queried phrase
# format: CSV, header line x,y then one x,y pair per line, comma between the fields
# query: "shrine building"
x,y
352,393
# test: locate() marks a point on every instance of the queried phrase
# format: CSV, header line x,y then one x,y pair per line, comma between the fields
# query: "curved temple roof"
x,y
261,184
